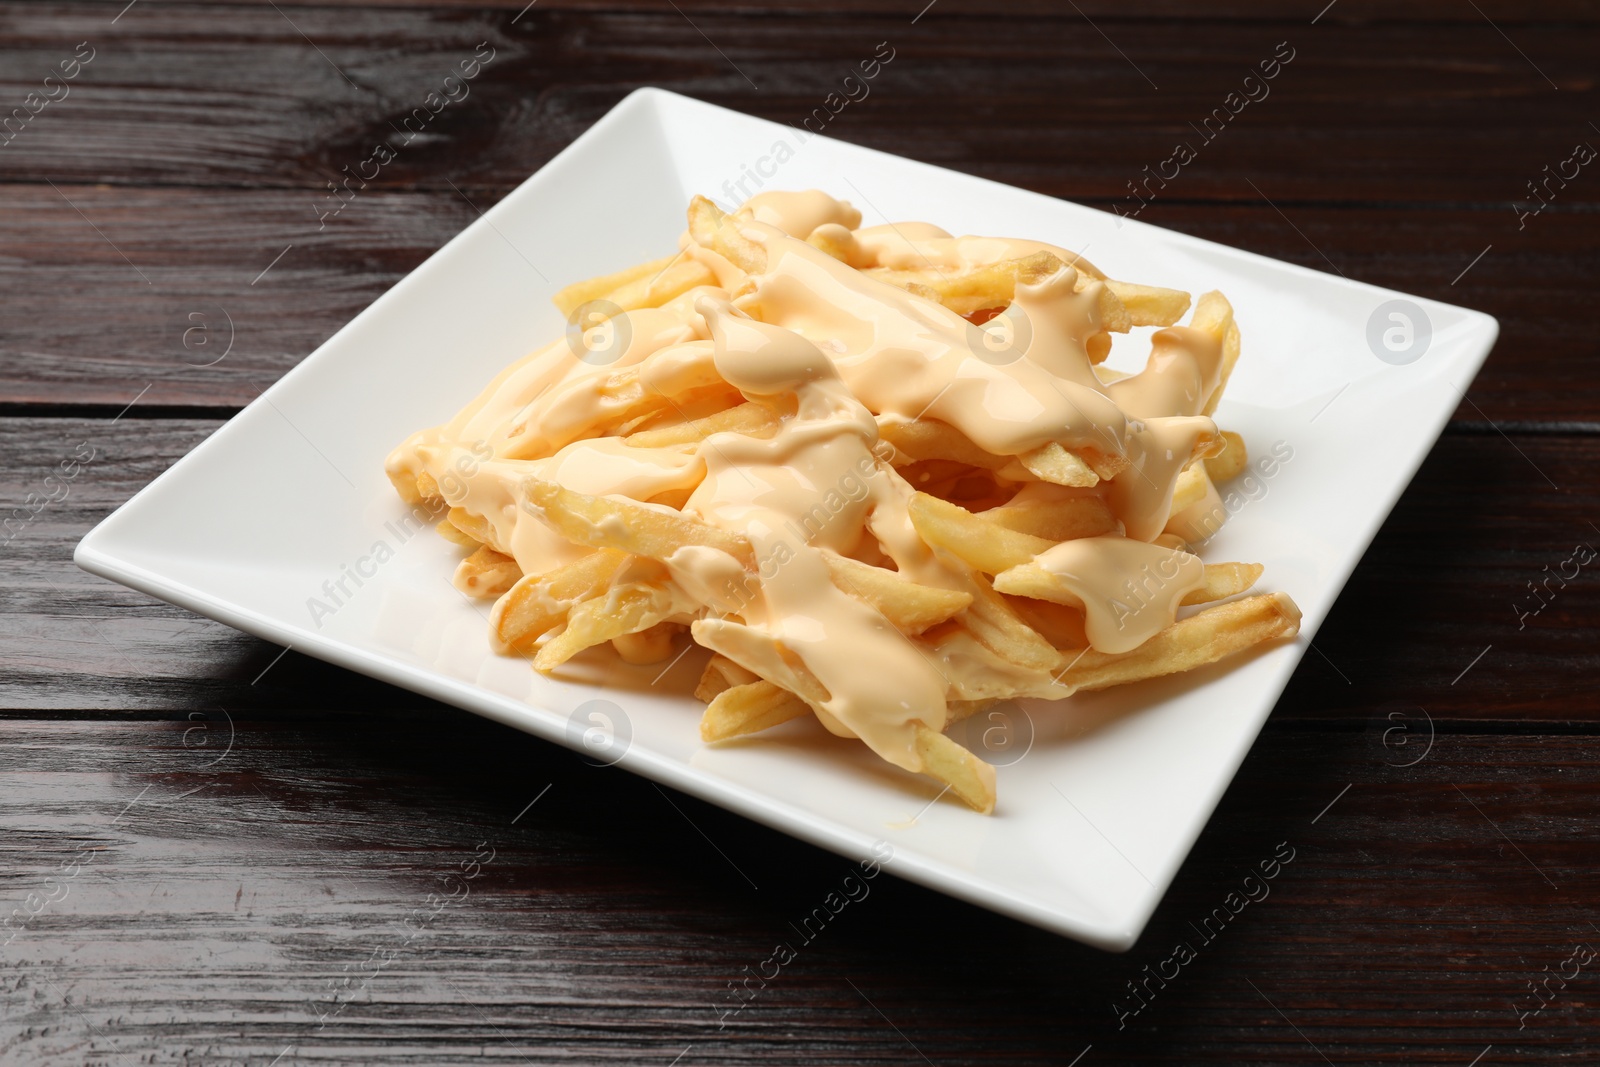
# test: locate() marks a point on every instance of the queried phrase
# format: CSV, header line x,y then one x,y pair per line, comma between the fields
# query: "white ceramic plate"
x,y
1100,798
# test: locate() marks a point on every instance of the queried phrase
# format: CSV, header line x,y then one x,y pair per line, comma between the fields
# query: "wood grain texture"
x,y
1361,12
102,310
1446,577
231,905
1413,111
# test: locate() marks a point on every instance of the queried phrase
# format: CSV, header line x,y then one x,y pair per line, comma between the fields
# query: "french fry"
x,y
931,439
1059,624
752,420
1228,463
1190,487
623,609
761,655
1216,633
1224,580
911,608
967,776
653,290
988,286
998,628
994,285
604,522
1150,305
477,528
455,535
651,645
1214,315
1031,580
577,294
837,241
1057,520
539,602
614,401
1230,356
980,544
749,708
721,673
486,573
1053,463
712,229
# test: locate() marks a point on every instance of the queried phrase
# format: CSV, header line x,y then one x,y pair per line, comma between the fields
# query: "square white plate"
x,y
1095,819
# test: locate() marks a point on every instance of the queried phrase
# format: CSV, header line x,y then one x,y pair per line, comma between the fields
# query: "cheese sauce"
x,y
826,348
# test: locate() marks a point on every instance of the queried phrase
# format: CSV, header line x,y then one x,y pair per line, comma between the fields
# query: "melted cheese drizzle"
x,y
829,349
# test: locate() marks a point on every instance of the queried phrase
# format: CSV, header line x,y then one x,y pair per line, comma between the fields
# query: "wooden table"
x,y
219,854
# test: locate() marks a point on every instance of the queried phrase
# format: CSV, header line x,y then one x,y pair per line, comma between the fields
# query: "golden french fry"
x,y
1073,467
1056,520
835,240
476,527
965,709
651,645
978,288
712,229
1230,356
749,708
1190,488
1098,347
930,439
911,608
1060,624
762,655
1031,580
577,294
1113,314
999,629
622,609
1211,635
487,573
604,522
677,277
752,420
1214,315
1224,580
968,777
1053,463
1150,305
455,535
721,673
622,398
1229,462
539,602
980,544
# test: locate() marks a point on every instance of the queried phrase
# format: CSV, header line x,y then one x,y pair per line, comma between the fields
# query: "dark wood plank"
x,y
75,642
272,899
1501,12
139,263
86,327
1446,577
249,95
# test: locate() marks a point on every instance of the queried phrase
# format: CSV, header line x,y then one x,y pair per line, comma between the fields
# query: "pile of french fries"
x,y
605,568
